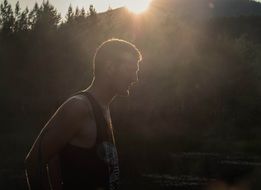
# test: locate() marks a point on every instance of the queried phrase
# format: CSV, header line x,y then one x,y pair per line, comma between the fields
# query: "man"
x,y
76,148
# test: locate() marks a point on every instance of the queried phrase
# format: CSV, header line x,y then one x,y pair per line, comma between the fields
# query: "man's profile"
x,y
76,148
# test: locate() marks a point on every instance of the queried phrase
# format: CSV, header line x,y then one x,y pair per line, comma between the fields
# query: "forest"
x,y
194,116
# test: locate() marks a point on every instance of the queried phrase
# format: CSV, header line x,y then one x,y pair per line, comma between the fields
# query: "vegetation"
x,y
199,90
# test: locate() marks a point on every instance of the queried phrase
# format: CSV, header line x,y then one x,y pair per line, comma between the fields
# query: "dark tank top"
x,y
92,168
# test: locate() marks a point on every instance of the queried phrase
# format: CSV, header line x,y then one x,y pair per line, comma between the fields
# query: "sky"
x,y
62,5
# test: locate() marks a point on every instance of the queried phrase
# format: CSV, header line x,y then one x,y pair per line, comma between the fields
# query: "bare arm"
x,y
59,130
54,170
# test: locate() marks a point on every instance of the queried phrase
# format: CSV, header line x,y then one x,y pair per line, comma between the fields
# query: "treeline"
x,y
45,15
37,45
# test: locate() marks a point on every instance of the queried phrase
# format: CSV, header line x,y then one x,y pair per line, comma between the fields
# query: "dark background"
x,y
192,122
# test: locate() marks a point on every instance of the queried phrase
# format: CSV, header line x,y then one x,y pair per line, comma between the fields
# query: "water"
x,y
199,170
187,170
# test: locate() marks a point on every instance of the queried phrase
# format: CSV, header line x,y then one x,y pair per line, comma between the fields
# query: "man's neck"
x,y
102,93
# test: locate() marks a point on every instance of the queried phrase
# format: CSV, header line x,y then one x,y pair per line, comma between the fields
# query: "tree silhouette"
x,y
17,16
83,13
69,15
33,15
77,12
92,11
47,17
7,18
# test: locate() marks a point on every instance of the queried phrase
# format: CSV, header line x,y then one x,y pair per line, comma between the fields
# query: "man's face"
x,y
127,75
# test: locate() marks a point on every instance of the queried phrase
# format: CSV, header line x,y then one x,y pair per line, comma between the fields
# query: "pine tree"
x,y
48,16
83,13
92,11
24,20
70,15
79,15
17,9
7,18
77,12
32,17
17,16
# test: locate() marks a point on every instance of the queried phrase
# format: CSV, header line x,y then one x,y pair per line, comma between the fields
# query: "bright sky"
x,y
62,5
100,5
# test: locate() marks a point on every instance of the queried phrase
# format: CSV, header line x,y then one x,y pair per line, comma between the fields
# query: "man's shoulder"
x,y
78,103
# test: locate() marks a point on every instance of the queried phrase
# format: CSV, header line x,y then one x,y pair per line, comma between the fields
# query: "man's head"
x,y
116,63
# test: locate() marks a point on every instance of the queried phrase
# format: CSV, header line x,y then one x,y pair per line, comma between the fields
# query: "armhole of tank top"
x,y
90,106
87,102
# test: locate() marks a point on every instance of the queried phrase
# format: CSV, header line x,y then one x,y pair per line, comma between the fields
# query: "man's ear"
x,y
109,68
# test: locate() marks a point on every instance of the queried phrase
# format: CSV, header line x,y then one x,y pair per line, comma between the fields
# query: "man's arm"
x,y
54,170
59,130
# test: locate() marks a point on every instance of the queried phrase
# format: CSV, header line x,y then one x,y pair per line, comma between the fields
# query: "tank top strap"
x,y
101,124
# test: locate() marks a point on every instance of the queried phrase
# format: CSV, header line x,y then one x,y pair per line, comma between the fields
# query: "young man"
x,y
76,148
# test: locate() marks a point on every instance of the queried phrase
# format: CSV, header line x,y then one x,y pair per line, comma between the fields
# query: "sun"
x,y
137,6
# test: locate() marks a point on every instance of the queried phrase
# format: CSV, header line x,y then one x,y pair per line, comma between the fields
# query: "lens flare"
x,y
137,6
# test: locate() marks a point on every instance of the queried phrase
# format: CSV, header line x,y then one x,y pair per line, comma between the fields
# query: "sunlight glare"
x,y
137,6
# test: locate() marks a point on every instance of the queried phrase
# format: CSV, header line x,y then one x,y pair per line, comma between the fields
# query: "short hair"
x,y
114,50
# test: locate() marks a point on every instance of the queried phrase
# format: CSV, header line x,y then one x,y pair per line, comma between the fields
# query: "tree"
x,y
21,19
47,17
77,12
24,22
7,18
69,15
17,11
32,17
80,15
17,16
83,13
92,11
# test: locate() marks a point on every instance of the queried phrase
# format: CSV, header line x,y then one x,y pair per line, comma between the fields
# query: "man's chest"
x,y
87,136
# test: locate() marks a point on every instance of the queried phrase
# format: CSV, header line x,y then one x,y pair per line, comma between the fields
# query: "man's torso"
x,y
91,156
